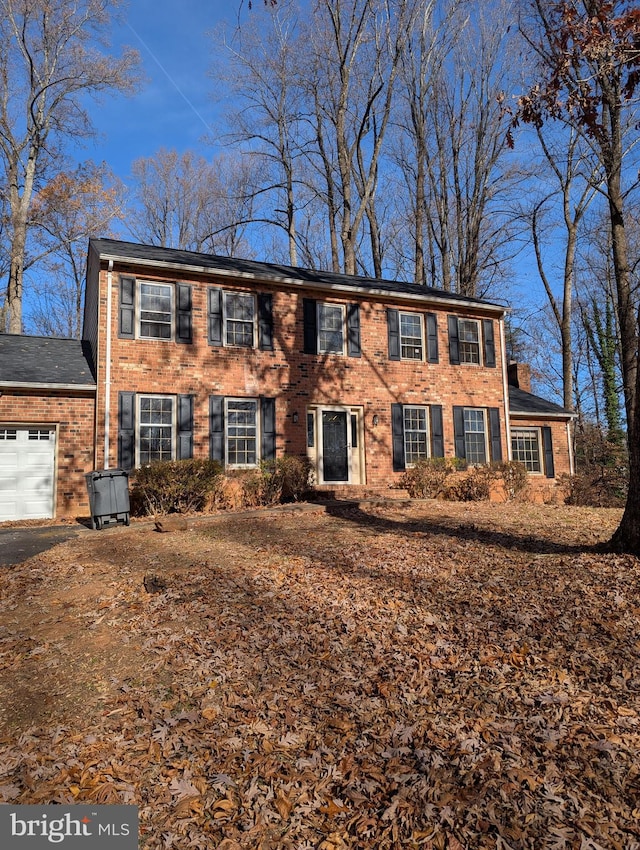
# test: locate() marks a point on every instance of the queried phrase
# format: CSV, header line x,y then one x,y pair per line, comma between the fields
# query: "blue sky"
x,y
175,105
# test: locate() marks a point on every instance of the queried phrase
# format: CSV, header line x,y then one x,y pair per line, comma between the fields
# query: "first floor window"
x,y
241,425
156,429
156,310
475,439
525,448
416,434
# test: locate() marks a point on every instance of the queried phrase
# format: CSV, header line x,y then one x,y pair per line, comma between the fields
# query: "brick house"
x,y
191,355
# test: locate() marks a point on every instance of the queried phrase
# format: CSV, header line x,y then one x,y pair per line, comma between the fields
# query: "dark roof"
x,y
44,360
527,404
131,251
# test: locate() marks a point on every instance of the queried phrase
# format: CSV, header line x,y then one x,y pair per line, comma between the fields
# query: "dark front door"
x,y
335,447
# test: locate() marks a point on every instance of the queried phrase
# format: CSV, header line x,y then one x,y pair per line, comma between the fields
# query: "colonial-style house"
x,y
192,355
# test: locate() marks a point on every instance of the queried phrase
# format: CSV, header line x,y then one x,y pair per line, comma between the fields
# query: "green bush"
x,y
426,478
176,486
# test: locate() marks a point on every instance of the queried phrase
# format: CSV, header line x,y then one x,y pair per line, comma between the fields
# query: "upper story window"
x,y
155,310
329,328
411,334
239,318
149,310
471,341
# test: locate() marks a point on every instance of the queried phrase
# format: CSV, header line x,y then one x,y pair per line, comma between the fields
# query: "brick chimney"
x,y
520,375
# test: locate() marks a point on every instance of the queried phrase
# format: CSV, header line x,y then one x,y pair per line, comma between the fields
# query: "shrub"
x,y
176,486
285,479
426,478
514,474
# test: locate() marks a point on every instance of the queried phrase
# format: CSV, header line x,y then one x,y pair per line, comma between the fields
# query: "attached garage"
x,y
47,427
27,472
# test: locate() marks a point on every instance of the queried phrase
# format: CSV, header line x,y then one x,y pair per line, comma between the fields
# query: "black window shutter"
x,y
310,326
547,445
397,433
126,324
393,330
458,431
454,348
494,433
268,428
185,427
437,434
216,428
214,310
183,313
353,330
432,337
489,343
265,321
126,430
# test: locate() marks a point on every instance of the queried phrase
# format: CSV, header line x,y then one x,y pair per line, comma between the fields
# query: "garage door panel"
x,y
27,467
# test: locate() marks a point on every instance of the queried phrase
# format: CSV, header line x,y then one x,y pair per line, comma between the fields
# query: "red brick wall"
x,y
73,417
295,379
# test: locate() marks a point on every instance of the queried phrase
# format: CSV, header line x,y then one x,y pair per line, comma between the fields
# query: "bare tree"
x,y
50,59
65,214
184,201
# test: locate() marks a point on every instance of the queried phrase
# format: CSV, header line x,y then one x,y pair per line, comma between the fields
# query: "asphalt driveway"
x,y
18,544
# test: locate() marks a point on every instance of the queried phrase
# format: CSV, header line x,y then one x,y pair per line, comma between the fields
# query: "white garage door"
x,y
27,464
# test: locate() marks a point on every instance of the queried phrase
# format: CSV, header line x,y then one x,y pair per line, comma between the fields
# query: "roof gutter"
x,y
37,385
494,309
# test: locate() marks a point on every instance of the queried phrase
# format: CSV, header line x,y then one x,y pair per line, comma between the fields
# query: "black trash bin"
x,y
108,497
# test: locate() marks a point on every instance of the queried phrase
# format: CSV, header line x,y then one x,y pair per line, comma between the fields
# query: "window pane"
x,y
155,311
474,436
239,315
416,435
242,432
156,429
330,329
525,448
410,336
469,341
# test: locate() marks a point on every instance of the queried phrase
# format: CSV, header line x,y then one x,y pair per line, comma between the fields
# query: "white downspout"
x,y
572,470
107,370
505,385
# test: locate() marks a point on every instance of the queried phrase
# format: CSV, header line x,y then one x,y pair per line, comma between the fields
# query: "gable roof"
x,y
36,361
250,270
522,403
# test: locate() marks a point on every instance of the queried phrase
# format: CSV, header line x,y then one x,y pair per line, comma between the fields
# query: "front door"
x,y
335,446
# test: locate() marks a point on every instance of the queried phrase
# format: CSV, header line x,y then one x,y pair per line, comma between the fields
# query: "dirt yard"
x,y
417,675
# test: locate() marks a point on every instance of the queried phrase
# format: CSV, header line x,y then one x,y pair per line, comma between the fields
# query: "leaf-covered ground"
x,y
418,675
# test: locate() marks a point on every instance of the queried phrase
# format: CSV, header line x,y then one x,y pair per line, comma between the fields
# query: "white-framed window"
x,y
241,432
156,430
330,328
416,433
155,310
469,340
525,448
411,336
475,435
239,318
